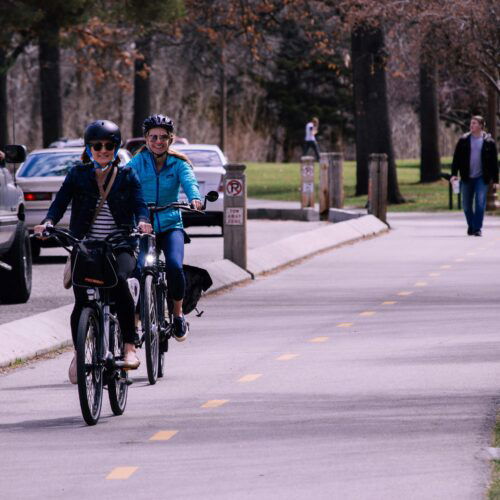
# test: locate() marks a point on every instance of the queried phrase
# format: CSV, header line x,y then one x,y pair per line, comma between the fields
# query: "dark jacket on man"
x,y
125,199
489,160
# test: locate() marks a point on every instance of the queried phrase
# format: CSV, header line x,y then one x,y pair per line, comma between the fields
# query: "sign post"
x,y
336,180
235,214
307,182
377,186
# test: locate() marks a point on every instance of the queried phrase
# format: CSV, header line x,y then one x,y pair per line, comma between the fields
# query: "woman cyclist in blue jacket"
x,y
162,172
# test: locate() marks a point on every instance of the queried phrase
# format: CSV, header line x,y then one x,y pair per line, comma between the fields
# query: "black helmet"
x,y
103,130
155,121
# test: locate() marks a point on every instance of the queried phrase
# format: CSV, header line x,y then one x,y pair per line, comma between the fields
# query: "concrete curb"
x,y
38,334
298,246
29,337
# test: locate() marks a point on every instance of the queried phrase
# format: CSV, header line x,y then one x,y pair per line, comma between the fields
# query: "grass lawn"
x,y
281,181
494,490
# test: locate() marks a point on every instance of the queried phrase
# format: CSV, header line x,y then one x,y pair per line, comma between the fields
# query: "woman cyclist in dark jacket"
x,y
124,206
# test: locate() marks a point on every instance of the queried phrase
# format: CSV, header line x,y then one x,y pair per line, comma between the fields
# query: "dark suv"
x,y
15,249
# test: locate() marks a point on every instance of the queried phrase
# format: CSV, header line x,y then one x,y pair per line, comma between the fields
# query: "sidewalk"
x,y
272,245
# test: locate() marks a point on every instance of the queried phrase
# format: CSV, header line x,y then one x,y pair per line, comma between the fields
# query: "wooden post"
x,y
235,214
377,186
307,182
324,197
336,180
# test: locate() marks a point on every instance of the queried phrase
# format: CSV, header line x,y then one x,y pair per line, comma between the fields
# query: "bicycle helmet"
x,y
160,121
103,130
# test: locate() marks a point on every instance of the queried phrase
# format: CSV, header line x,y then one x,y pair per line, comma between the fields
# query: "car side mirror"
x,y
15,153
212,196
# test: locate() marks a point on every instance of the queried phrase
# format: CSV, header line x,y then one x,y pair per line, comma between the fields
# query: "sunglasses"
x,y
155,138
108,146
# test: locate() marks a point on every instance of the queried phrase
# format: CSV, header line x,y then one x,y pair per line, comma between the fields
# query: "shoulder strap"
x,y
104,193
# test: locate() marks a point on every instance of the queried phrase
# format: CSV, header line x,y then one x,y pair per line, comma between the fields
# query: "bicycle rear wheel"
x,y
88,367
151,331
117,379
163,315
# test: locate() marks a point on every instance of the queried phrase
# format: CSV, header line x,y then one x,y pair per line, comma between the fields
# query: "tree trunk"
x,y
4,123
430,163
50,89
142,86
223,102
371,110
491,119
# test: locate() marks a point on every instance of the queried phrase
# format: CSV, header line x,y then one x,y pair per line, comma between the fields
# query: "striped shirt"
x,y
103,224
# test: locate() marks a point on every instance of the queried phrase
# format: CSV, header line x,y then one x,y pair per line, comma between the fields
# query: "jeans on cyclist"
x,y
172,244
120,294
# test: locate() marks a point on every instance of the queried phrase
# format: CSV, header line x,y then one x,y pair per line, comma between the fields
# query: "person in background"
x,y
310,138
475,158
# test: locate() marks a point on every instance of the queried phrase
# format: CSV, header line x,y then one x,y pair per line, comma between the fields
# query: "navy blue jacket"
x,y
489,160
125,199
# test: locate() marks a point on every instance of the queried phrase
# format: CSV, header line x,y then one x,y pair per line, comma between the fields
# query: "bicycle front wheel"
x,y
88,366
151,330
117,379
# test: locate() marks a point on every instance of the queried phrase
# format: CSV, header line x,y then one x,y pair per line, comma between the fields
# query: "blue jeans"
x,y
172,244
478,189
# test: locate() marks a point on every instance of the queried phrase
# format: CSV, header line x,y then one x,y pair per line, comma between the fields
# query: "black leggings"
x,y
120,294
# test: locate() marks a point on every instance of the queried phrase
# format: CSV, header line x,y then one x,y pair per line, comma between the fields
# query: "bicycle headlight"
x,y
150,259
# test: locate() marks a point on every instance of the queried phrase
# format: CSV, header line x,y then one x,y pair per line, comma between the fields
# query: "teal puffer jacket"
x,y
163,187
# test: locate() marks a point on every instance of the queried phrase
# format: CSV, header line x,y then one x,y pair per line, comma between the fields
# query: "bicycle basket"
x,y
94,265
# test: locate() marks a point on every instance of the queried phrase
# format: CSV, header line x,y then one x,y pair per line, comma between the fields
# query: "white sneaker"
x,y
72,370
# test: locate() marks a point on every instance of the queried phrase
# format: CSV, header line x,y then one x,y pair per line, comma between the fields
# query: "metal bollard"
x,y
377,186
323,193
235,214
336,180
307,182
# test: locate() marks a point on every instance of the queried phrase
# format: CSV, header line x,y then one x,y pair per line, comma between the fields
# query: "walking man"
x,y
310,138
475,158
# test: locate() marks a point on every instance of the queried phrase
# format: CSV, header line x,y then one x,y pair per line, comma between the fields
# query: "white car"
x,y
40,178
208,162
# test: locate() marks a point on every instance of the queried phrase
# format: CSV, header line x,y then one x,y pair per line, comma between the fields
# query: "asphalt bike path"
x,y
370,371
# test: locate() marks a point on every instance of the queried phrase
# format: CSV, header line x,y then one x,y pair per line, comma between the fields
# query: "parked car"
x,y
208,162
67,143
40,177
15,250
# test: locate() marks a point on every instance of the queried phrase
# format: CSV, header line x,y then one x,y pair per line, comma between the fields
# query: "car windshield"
x,y
47,165
203,158
55,164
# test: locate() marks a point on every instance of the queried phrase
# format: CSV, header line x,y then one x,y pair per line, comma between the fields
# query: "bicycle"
x,y
99,345
155,313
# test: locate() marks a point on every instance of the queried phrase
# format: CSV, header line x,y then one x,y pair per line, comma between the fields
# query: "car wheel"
x,y
15,285
36,249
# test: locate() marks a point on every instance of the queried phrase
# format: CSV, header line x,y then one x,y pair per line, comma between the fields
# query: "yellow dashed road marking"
x,y
163,435
319,339
404,294
214,403
250,377
344,325
420,283
389,303
446,266
367,313
286,357
121,472
434,274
